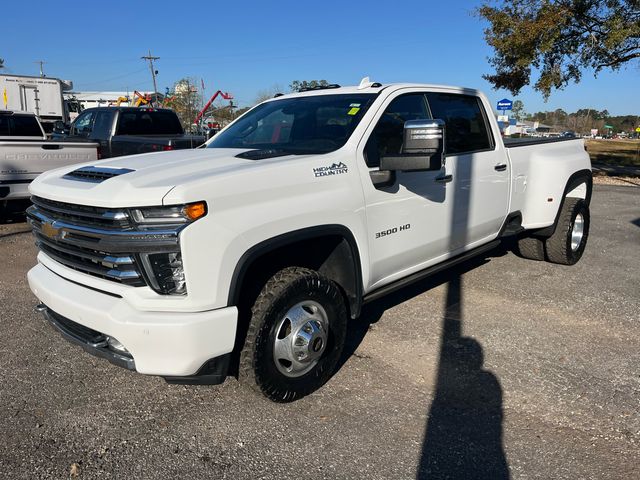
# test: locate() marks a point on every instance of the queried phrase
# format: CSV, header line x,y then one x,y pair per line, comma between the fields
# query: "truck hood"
x,y
144,179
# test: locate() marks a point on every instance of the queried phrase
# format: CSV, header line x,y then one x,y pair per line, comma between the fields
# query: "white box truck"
x,y
42,96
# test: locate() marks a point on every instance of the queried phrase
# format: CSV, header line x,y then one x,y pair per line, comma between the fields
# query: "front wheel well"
x,y
331,251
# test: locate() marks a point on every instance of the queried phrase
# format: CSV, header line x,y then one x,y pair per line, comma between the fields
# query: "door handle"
x,y
444,179
501,167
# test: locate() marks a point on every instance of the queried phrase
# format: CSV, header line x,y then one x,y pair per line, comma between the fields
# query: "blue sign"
x,y
505,104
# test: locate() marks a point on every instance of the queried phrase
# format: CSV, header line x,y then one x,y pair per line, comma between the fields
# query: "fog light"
x,y
115,345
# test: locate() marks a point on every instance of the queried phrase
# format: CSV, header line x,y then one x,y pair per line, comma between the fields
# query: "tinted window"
x,y
82,125
149,122
466,128
19,126
4,126
102,124
274,129
386,138
301,125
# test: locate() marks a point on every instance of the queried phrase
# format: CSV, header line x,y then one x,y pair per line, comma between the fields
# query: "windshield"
x,y
299,126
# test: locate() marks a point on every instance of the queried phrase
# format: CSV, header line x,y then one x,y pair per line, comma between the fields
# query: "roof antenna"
x,y
366,83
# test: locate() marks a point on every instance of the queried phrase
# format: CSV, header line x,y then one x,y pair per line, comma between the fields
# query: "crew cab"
x,y
129,130
248,257
25,153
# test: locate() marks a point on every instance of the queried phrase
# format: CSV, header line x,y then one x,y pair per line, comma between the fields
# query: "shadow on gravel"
x,y
636,222
372,312
463,436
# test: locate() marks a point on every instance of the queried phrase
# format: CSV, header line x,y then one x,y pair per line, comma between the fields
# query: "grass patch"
x,y
614,152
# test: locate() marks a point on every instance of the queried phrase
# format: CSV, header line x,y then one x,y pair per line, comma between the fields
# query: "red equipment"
x,y
225,95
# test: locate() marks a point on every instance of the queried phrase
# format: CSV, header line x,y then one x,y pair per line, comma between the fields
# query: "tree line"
x,y
585,119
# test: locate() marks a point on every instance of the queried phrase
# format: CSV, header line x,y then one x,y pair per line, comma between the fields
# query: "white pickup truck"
x,y
248,257
25,153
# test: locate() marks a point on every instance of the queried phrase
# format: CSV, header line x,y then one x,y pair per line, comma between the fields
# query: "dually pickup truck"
x,y
25,153
248,257
129,130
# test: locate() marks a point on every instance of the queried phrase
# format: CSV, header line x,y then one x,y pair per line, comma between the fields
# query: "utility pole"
x,y
150,59
41,63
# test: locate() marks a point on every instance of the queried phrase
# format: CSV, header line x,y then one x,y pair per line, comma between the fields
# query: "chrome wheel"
x,y
577,232
300,339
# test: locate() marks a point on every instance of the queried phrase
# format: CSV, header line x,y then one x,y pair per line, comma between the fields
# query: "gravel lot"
x,y
504,368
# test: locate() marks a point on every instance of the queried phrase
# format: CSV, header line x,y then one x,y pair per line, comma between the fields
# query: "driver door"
x,y
409,221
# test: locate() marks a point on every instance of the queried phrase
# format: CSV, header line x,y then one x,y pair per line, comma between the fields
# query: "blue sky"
x,y
245,47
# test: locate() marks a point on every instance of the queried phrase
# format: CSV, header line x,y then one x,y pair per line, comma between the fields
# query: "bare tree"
x,y
267,93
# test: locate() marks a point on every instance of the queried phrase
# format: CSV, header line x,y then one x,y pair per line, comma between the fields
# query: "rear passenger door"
x,y
481,177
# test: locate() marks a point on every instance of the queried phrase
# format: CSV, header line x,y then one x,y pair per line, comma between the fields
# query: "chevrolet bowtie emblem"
x,y
48,230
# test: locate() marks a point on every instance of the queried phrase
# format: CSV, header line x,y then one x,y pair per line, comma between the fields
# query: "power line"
x,y
107,80
151,58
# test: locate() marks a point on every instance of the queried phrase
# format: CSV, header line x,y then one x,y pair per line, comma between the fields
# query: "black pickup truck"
x,y
129,130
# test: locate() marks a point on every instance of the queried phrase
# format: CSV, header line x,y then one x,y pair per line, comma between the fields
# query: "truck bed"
x,y
540,169
21,161
525,141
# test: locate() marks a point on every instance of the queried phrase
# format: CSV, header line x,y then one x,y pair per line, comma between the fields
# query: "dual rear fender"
x,y
579,185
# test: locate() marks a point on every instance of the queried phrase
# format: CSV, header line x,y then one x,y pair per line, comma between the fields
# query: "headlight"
x,y
165,272
172,215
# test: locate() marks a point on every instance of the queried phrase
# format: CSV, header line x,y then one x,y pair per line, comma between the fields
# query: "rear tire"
x,y
295,336
531,248
569,240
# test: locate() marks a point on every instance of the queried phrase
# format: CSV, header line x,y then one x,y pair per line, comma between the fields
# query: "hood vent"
x,y
96,174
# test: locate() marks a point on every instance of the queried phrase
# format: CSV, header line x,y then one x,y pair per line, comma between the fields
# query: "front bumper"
x,y
169,344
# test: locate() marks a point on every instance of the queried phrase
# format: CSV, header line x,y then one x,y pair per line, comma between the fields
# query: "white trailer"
x,y
38,95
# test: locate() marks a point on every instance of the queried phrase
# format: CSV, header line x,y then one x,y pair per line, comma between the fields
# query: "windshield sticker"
x,y
353,111
334,169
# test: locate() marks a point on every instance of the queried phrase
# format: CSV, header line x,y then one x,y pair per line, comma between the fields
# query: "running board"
x,y
427,272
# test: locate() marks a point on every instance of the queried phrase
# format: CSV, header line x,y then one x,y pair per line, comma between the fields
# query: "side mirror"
x,y
422,147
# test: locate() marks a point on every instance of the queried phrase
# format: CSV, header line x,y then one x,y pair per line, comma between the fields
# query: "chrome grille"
x,y
96,241
84,215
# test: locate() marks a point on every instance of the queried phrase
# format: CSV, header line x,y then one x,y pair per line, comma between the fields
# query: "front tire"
x,y
569,240
295,336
